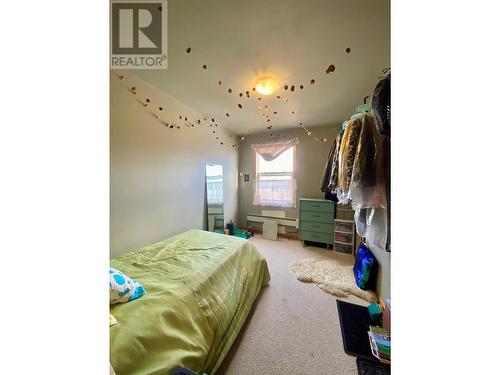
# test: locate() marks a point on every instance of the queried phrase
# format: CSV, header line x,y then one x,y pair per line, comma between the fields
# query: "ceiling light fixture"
x,y
266,85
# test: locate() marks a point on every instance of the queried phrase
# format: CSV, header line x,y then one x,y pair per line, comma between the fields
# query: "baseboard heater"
x,y
287,222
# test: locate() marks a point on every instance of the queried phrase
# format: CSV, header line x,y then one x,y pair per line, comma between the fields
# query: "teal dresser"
x,y
316,220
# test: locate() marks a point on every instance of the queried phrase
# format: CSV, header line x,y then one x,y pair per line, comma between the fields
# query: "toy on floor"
x,y
242,233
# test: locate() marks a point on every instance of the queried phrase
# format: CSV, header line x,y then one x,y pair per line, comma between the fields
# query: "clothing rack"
x,y
331,177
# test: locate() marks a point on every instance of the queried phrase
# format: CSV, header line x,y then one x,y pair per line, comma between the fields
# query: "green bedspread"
x,y
200,287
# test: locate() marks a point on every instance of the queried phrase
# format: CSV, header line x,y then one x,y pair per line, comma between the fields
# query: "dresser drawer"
x,y
321,206
318,217
344,238
344,226
342,248
316,227
306,235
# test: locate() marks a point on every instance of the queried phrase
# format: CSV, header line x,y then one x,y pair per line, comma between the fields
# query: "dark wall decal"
x,y
330,69
188,49
266,111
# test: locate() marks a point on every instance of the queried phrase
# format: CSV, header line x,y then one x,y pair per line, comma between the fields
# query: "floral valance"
x,y
270,151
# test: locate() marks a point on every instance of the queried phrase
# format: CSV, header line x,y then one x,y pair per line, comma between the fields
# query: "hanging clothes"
x,y
347,155
329,196
364,167
328,168
381,104
334,174
367,188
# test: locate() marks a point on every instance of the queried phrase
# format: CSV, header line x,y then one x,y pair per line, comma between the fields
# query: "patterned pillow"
x,y
122,288
365,268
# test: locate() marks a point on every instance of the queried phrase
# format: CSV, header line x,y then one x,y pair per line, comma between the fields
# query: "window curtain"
x,y
275,193
270,151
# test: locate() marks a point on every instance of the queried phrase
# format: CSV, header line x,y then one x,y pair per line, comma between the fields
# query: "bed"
x,y
200,287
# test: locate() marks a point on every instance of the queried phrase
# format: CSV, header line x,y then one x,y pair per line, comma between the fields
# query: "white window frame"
x,y
292,203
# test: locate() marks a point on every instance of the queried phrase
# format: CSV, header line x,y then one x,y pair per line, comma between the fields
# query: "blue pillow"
x,y
122,288
365,268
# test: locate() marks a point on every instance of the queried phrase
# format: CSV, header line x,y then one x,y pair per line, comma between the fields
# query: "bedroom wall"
x,y
310,163
157,174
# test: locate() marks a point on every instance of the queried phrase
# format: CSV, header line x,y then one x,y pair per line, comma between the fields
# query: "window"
x,y
275,183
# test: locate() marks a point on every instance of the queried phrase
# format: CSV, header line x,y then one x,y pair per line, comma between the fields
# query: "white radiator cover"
x,y
270,230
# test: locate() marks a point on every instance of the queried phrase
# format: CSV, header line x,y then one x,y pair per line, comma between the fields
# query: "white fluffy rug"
x,y
331,277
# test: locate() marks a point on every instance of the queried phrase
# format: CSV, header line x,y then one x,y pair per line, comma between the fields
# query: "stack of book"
x,y
380,343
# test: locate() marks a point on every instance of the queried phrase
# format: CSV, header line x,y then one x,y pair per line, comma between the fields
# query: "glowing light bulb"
x,y
266,85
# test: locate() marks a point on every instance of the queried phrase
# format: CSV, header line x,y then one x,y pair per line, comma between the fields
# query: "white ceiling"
x,y
295,39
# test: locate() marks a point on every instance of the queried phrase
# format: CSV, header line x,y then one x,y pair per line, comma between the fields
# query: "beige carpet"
x,y
294,327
